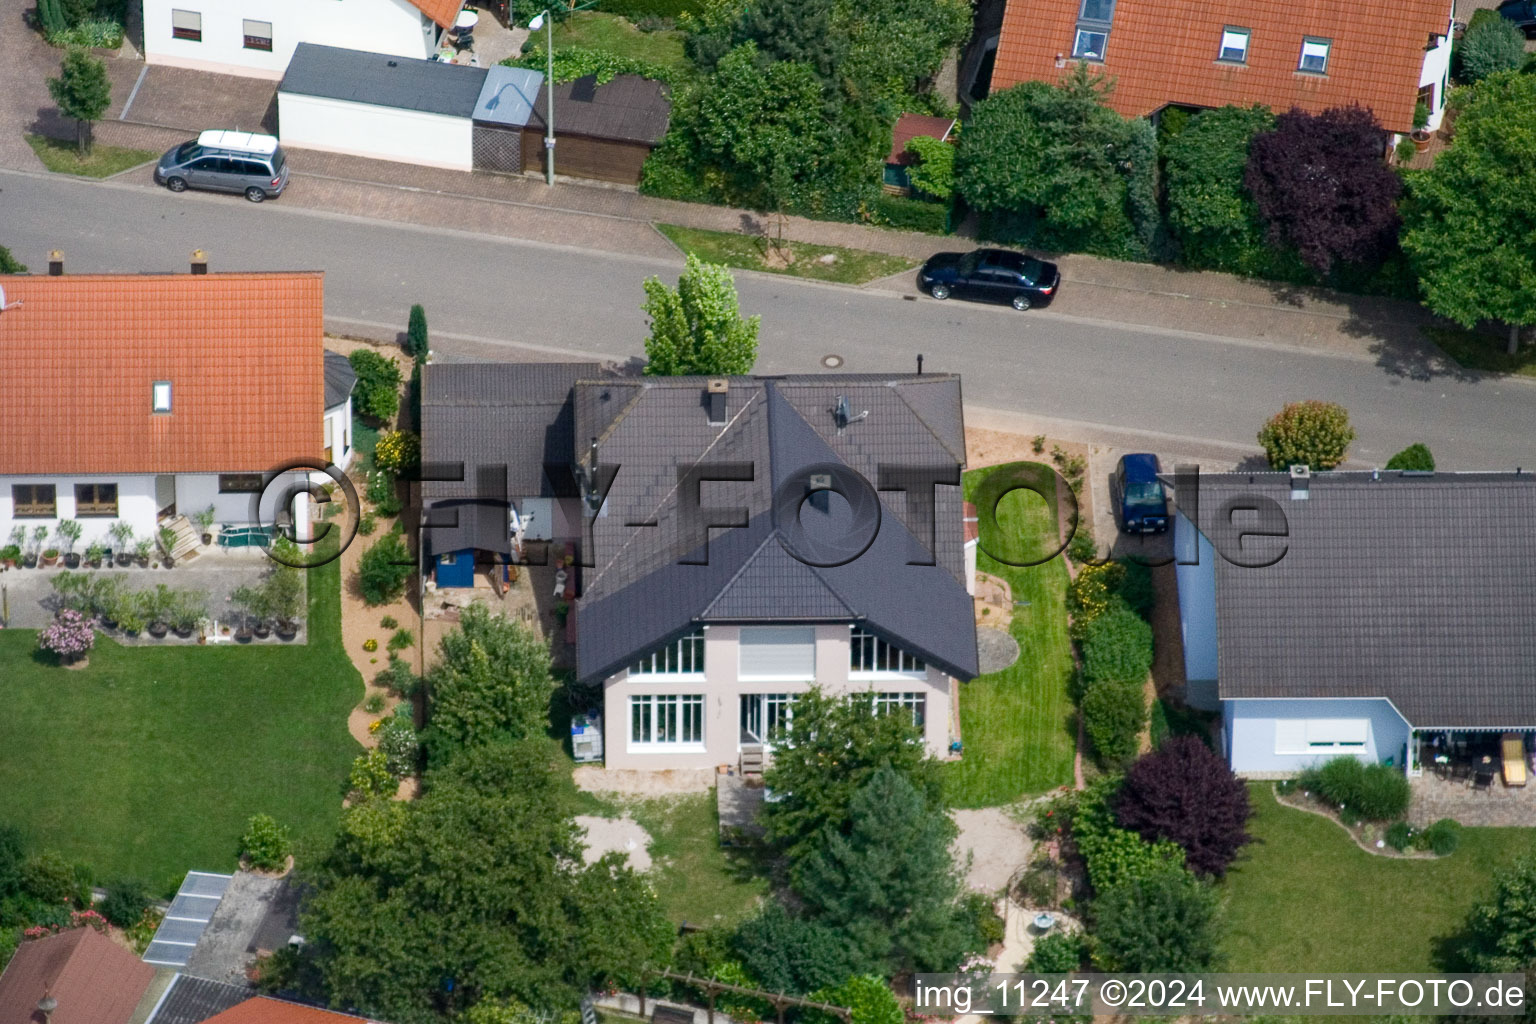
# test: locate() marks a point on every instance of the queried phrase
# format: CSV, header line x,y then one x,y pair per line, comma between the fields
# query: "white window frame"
x,y
652,714
768,705
690,651
807,676
1317,44
160,397
1233,38
246,24
914,701
186,22
859,641
1082,51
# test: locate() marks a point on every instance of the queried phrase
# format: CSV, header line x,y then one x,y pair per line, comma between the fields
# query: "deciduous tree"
x,y
1471,227
1185,792
934,172
1210,212
1321,185
1491,44
792,954
377,395
10,264
1312,433
1166,922
697,328
83,92
1500,933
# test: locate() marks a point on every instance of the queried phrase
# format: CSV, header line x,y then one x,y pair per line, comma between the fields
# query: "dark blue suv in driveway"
x,y
1139,500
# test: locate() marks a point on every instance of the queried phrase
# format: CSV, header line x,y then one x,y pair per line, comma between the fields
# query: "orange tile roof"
x,y
262,1010
1164,51
243,352
911,126
441,11
95,980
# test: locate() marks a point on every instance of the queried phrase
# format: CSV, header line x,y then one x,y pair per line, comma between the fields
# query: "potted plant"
x,y
1421,134
94,553
187,611
18,540
130,615
105,593
35,546
122,536
69,533
285,596
167,539
141,549
10,555
204,521
159,607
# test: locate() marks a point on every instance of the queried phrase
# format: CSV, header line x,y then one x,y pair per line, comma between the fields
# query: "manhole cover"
x,y
831,362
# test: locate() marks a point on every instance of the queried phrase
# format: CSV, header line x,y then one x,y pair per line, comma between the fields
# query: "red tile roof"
x,y
972,520
1164,51
441,11
243,352
909,127
262,1010
95,980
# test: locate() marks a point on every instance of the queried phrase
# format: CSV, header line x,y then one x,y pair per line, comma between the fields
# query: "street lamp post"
x,y
544,20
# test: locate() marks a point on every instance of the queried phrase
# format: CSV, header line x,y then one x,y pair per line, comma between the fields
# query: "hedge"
x,y
1117,647
912,214
634,10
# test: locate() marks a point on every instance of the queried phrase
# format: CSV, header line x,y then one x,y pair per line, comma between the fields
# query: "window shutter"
x,y
778,652
190,20
1290,735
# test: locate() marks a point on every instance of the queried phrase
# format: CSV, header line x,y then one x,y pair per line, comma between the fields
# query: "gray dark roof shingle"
x,y
638,594
357,76
1419,589
627,109
504,422
340,379
190,1000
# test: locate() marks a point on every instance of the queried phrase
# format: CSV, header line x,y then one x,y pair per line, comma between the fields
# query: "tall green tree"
x,y
792,30
83,92
492,682
895,47
416,340
1211,214
10,264
1165,922
833,745
1061,159
697,327
476,891
1470,225
1490,44
889,885
1500,933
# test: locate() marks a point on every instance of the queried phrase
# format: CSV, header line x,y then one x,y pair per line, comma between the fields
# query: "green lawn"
x,y
594,30
1483,351
698,881
1017,724
850,266
104,161
149,761
1304,897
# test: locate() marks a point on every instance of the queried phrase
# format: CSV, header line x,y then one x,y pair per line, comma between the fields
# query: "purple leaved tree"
x,y
70,637
1185,792
1321,185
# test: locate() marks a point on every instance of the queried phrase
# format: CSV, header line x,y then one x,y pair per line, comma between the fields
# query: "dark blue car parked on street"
x,y
1139,500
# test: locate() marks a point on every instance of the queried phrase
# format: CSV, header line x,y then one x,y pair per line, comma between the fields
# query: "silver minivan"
x,y
226,161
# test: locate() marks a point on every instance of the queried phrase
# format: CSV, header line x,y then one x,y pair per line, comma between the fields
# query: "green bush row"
x,y
1441,838
1375,792
634,10
912,214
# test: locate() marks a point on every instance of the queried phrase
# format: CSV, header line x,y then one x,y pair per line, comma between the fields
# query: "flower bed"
x,y
1397,839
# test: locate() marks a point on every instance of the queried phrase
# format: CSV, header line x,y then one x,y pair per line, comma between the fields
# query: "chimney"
x,y
56,263
715,393
199,262
1301,483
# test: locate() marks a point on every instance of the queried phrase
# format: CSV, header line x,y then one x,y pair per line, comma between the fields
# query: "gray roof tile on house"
x,y
340,379
190,1000
504,422
357,76
627,109
1420,589
638,594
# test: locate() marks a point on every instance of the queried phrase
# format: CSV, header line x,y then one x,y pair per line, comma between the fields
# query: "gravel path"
x,y
996,844
620,834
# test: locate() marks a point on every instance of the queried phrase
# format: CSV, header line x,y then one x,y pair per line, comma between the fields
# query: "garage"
x,y
601,131
422,112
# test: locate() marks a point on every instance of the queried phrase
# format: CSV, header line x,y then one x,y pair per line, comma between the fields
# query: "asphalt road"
x,y
490,297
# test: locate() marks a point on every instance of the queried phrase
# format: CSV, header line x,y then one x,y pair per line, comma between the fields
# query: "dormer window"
x,y
1234,45
1314,55
1093,22
161,396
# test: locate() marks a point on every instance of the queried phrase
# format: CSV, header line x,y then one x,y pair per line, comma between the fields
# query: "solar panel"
x,y
189,914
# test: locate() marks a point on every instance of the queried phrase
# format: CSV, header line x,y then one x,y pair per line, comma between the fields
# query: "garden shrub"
x,y
867,995
1442,837
573,62
984,918
265,843
1082,548
1092,593
1112,855
637,9
1416,457
1489,45
49,878
384,570
1375,792
1399,836
1163,923
397,739
1185,792
382,493
1114,714
126,901
1210,213
377,394
399,678
1057,953
1117,648
398,451
1312,433
370,776
785,953
911,214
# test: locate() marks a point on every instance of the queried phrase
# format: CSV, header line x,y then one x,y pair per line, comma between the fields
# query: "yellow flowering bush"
x,y
397,450
370,644
1090,594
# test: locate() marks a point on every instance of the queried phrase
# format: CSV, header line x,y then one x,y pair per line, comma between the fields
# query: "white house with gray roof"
x,y
1381,615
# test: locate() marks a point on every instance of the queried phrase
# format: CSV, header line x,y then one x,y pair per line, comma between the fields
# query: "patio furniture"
x,y
1461,771
1482,782
1514,759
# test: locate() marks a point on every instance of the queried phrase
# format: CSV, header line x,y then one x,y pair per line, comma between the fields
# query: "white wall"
x,y
395,27
722,690
338,433
384,133
1197,598
1437,67
1250,733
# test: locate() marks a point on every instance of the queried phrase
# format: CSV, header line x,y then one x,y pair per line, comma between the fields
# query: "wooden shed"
x,y
601,131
